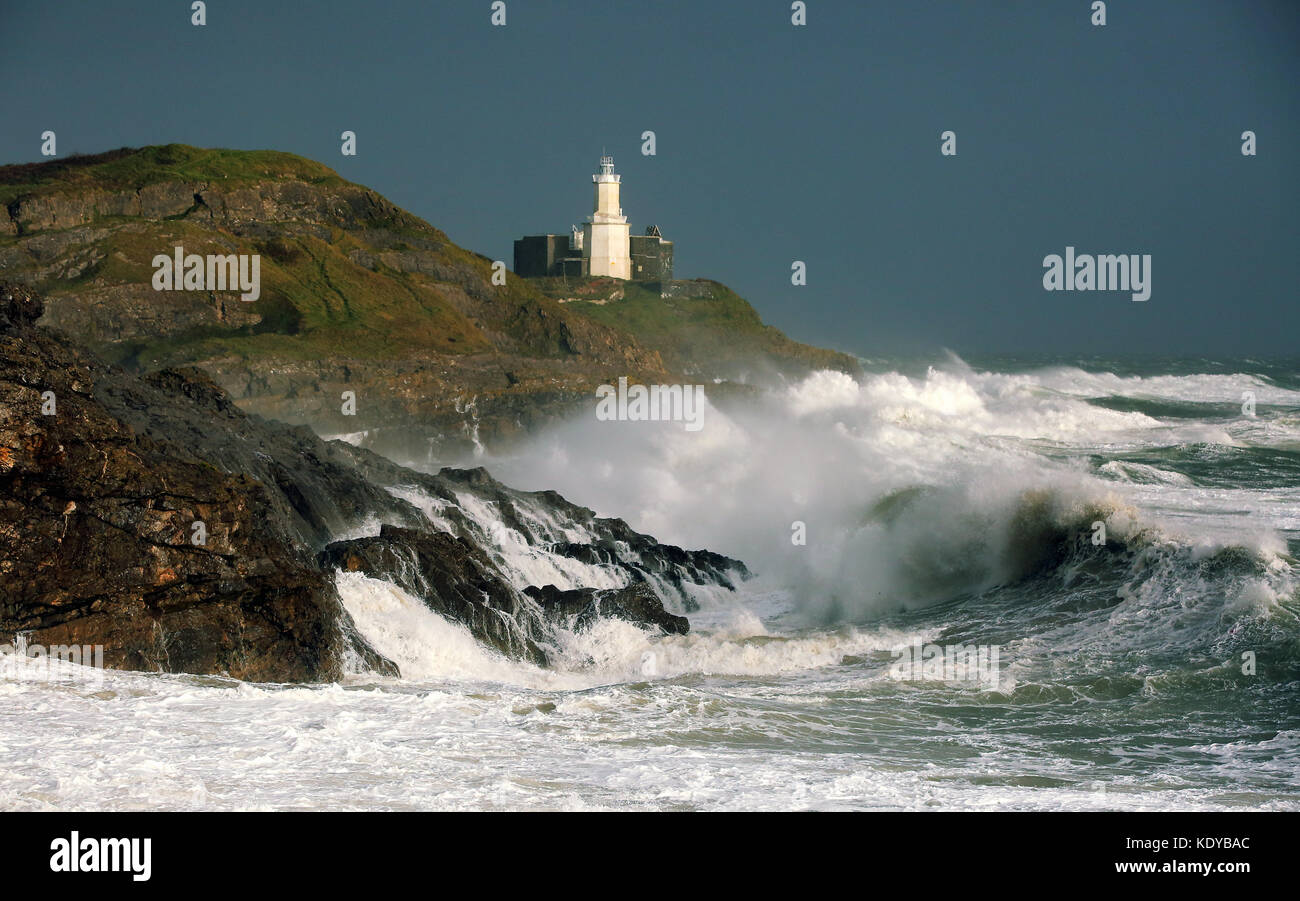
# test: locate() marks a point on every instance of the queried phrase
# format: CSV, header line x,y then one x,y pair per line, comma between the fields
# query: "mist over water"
x,y
919,489
944,504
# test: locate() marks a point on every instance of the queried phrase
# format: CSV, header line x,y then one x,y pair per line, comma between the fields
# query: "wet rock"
x,y
581,607
453,578
115,537
19,306
153,516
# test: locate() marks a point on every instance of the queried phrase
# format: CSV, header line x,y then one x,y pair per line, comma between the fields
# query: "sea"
x,y
987,583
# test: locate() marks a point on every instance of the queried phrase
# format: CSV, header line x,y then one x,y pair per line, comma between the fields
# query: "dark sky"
x,y
775,143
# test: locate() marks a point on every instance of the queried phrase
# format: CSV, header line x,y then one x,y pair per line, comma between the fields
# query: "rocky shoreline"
x,y
151,515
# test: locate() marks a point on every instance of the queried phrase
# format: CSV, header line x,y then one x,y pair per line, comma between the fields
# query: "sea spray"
x,y
1153,671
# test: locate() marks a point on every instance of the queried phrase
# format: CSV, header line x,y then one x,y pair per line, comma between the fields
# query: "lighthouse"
x,y
605,235
601,246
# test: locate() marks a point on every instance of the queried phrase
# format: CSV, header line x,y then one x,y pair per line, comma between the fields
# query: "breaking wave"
x,y
1152,667
864,503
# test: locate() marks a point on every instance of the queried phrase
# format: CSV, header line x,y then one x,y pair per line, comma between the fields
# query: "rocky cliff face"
x,y
357,295
155,517
97,524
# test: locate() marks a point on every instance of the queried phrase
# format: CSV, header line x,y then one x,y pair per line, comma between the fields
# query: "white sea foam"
x,y
911,489
1195,388
953,456
428,647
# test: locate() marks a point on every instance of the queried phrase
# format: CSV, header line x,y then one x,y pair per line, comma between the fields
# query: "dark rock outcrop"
x,y
456,579
580,607
110,536
154,517
452,577
611,542
19,306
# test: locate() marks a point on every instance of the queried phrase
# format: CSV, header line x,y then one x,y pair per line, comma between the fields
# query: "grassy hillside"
x,y
343,271
356,293
134,168
707,333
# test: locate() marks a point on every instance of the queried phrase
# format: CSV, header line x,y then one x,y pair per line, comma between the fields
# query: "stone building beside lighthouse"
x,y
604,246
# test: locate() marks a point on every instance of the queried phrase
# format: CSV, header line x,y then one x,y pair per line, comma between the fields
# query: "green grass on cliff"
x,y
316,302
131,168
353,289
690,331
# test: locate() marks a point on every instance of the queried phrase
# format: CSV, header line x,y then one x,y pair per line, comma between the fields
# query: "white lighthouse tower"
x,y
605,235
